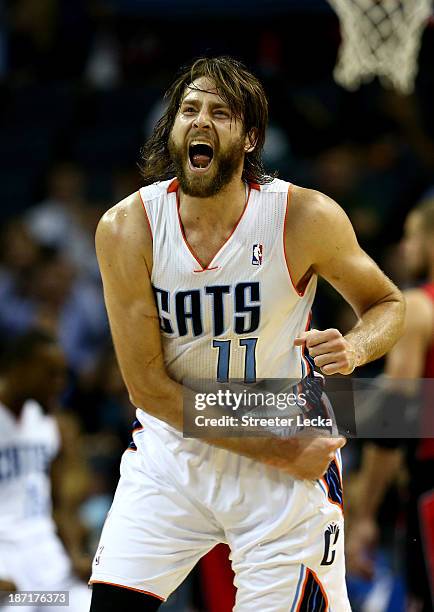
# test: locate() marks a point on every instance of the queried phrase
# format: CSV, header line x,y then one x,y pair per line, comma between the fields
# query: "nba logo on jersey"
x,y
257,255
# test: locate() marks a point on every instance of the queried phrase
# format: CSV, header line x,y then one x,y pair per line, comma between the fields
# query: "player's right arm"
x,y
124,250
405,361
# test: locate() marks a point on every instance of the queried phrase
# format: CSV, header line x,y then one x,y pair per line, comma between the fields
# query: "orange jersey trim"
x,y
299,293
207,269
318,581
122,586
321,587
341,506
174,184
146,215
303,348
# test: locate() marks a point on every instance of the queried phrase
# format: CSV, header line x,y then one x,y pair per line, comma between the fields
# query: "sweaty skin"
x,y
124,249
319,239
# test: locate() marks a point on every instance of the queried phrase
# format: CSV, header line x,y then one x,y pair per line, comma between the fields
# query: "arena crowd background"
x,y
81,86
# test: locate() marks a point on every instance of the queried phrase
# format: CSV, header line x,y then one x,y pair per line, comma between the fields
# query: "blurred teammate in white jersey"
x,y
211,275
32,557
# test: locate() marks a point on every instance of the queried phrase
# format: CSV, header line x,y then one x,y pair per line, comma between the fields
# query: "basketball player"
x,y
411,358
212,275
32,557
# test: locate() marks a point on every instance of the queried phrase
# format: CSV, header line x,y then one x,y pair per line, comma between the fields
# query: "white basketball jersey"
x,y
237,318
178,497
27,447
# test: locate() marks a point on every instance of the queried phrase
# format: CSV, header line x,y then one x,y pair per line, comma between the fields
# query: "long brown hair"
x,y
241,91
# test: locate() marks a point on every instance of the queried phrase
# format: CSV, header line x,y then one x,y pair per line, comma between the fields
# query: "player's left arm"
x,y
336,256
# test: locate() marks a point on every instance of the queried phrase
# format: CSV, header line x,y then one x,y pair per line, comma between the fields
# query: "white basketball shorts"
x,y
177,498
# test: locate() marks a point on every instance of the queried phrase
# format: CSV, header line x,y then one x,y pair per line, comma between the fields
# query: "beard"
x,y
223,168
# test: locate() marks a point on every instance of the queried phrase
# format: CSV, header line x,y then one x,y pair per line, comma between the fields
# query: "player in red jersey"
x,y
411,358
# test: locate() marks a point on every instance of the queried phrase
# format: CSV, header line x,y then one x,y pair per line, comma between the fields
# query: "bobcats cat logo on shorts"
x,y
331,536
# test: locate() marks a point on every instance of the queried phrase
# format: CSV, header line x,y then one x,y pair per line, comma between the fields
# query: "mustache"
x,y
202,136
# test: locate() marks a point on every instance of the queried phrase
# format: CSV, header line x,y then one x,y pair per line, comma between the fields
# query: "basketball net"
x,y
380,38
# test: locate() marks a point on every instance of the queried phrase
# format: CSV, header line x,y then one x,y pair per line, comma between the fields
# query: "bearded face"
x,y
207,144
203,169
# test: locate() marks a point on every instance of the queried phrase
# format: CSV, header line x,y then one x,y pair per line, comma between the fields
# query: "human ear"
x,y
250,140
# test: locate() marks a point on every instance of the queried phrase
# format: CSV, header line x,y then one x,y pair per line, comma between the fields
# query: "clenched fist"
x,y
331,352
315,456
302,457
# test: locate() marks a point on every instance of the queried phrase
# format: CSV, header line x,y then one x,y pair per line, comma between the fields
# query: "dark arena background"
x,y
81,86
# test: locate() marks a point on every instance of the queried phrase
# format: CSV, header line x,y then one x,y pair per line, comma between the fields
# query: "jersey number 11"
x,y
224,357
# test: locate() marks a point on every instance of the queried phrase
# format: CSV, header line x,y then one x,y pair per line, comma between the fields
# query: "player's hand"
x,y
331,352
360,543
314,456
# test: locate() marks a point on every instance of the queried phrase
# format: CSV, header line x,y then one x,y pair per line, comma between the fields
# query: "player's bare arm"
x,y
320,239
372,482
124,249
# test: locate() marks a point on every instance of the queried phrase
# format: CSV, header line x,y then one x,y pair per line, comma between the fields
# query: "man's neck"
x,y
220,210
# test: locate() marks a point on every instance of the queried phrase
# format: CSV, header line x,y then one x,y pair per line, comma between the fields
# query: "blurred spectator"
x,y
103,406
410,360
102,401
18,250
32,557
51,297
19,253
103,69
63,222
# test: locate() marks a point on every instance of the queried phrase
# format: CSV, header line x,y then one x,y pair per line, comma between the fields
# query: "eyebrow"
x,y
220,104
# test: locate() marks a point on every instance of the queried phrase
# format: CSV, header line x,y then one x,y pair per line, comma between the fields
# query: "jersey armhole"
x,y
146,215
312,276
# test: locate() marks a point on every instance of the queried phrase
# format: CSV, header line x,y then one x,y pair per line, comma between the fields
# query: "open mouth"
x,y
200,155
